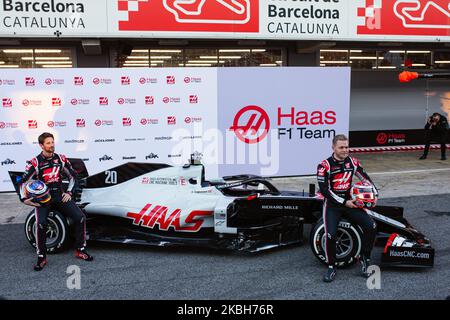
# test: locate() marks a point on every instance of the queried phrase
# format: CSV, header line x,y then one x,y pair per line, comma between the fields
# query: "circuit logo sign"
x,y
98,81
190,15
251,124
148,80
405,17
50,81
27,102
76,101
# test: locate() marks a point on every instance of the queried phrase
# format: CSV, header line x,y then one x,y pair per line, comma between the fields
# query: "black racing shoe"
x,y
443,158
330,275
83,255
41,262
423,157
364,264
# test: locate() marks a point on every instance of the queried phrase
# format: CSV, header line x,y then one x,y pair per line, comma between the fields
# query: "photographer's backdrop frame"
x,y
112,116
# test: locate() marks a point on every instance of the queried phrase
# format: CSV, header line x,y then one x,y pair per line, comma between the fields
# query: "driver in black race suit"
x,y
48,167
334,176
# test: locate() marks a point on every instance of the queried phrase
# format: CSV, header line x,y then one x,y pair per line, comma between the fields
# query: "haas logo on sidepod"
x,y
190,15
405,17
150,216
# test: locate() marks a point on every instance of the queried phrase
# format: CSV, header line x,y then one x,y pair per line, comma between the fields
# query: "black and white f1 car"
x,y
162,205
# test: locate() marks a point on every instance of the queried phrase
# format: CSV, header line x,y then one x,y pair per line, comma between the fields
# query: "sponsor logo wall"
x,y
103,115
360,20
263,121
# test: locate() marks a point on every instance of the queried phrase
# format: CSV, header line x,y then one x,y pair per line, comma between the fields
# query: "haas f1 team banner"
x,y
281,121
357,20
264,121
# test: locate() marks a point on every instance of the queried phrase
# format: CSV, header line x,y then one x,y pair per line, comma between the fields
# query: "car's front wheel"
x,y
348,243
57,231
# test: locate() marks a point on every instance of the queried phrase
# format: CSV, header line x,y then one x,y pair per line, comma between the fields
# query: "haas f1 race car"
x,y
162,205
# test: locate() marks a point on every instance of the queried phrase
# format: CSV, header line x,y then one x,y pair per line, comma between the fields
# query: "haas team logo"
x,y
189,15
405,17
251,124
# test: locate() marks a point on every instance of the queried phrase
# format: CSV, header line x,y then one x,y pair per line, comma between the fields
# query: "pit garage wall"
x,y
385,112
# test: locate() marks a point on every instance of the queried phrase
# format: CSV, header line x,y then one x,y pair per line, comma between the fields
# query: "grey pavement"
x,y
138,272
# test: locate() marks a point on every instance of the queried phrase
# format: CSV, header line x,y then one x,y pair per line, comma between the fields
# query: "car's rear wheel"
x,y
348,243
57,231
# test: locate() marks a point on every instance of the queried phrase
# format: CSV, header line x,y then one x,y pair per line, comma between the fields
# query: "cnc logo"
x,y
126,122
170,79
103,101
30,82
157,216
190,15
171,120
7,102
27,102
251,124
405,17
81,123
149,100
78,81
32,124
122,101
193,99
56,102
125,81
48,81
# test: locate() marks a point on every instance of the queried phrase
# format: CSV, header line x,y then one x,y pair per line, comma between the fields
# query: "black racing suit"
x,y
438,133
49,171
335,182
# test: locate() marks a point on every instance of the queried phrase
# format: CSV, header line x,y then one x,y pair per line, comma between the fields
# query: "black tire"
x,y
347,252
57,232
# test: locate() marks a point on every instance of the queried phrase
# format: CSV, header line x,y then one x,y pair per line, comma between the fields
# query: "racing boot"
x,y
82,254
364,264
41,262
423,157
330,275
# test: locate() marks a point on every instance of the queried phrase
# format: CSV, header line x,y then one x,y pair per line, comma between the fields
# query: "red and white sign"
x,y
30,82
56,102
405,18
103,101
81,123
149,100
251,124
193,99
125,81
170,80
78,81
126,122
190,16
171,120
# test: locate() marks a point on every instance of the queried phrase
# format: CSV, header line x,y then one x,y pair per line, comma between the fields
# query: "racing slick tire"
x,y
57,231
349,241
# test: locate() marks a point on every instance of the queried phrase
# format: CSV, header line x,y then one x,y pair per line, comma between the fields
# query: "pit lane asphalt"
x,y
138,272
